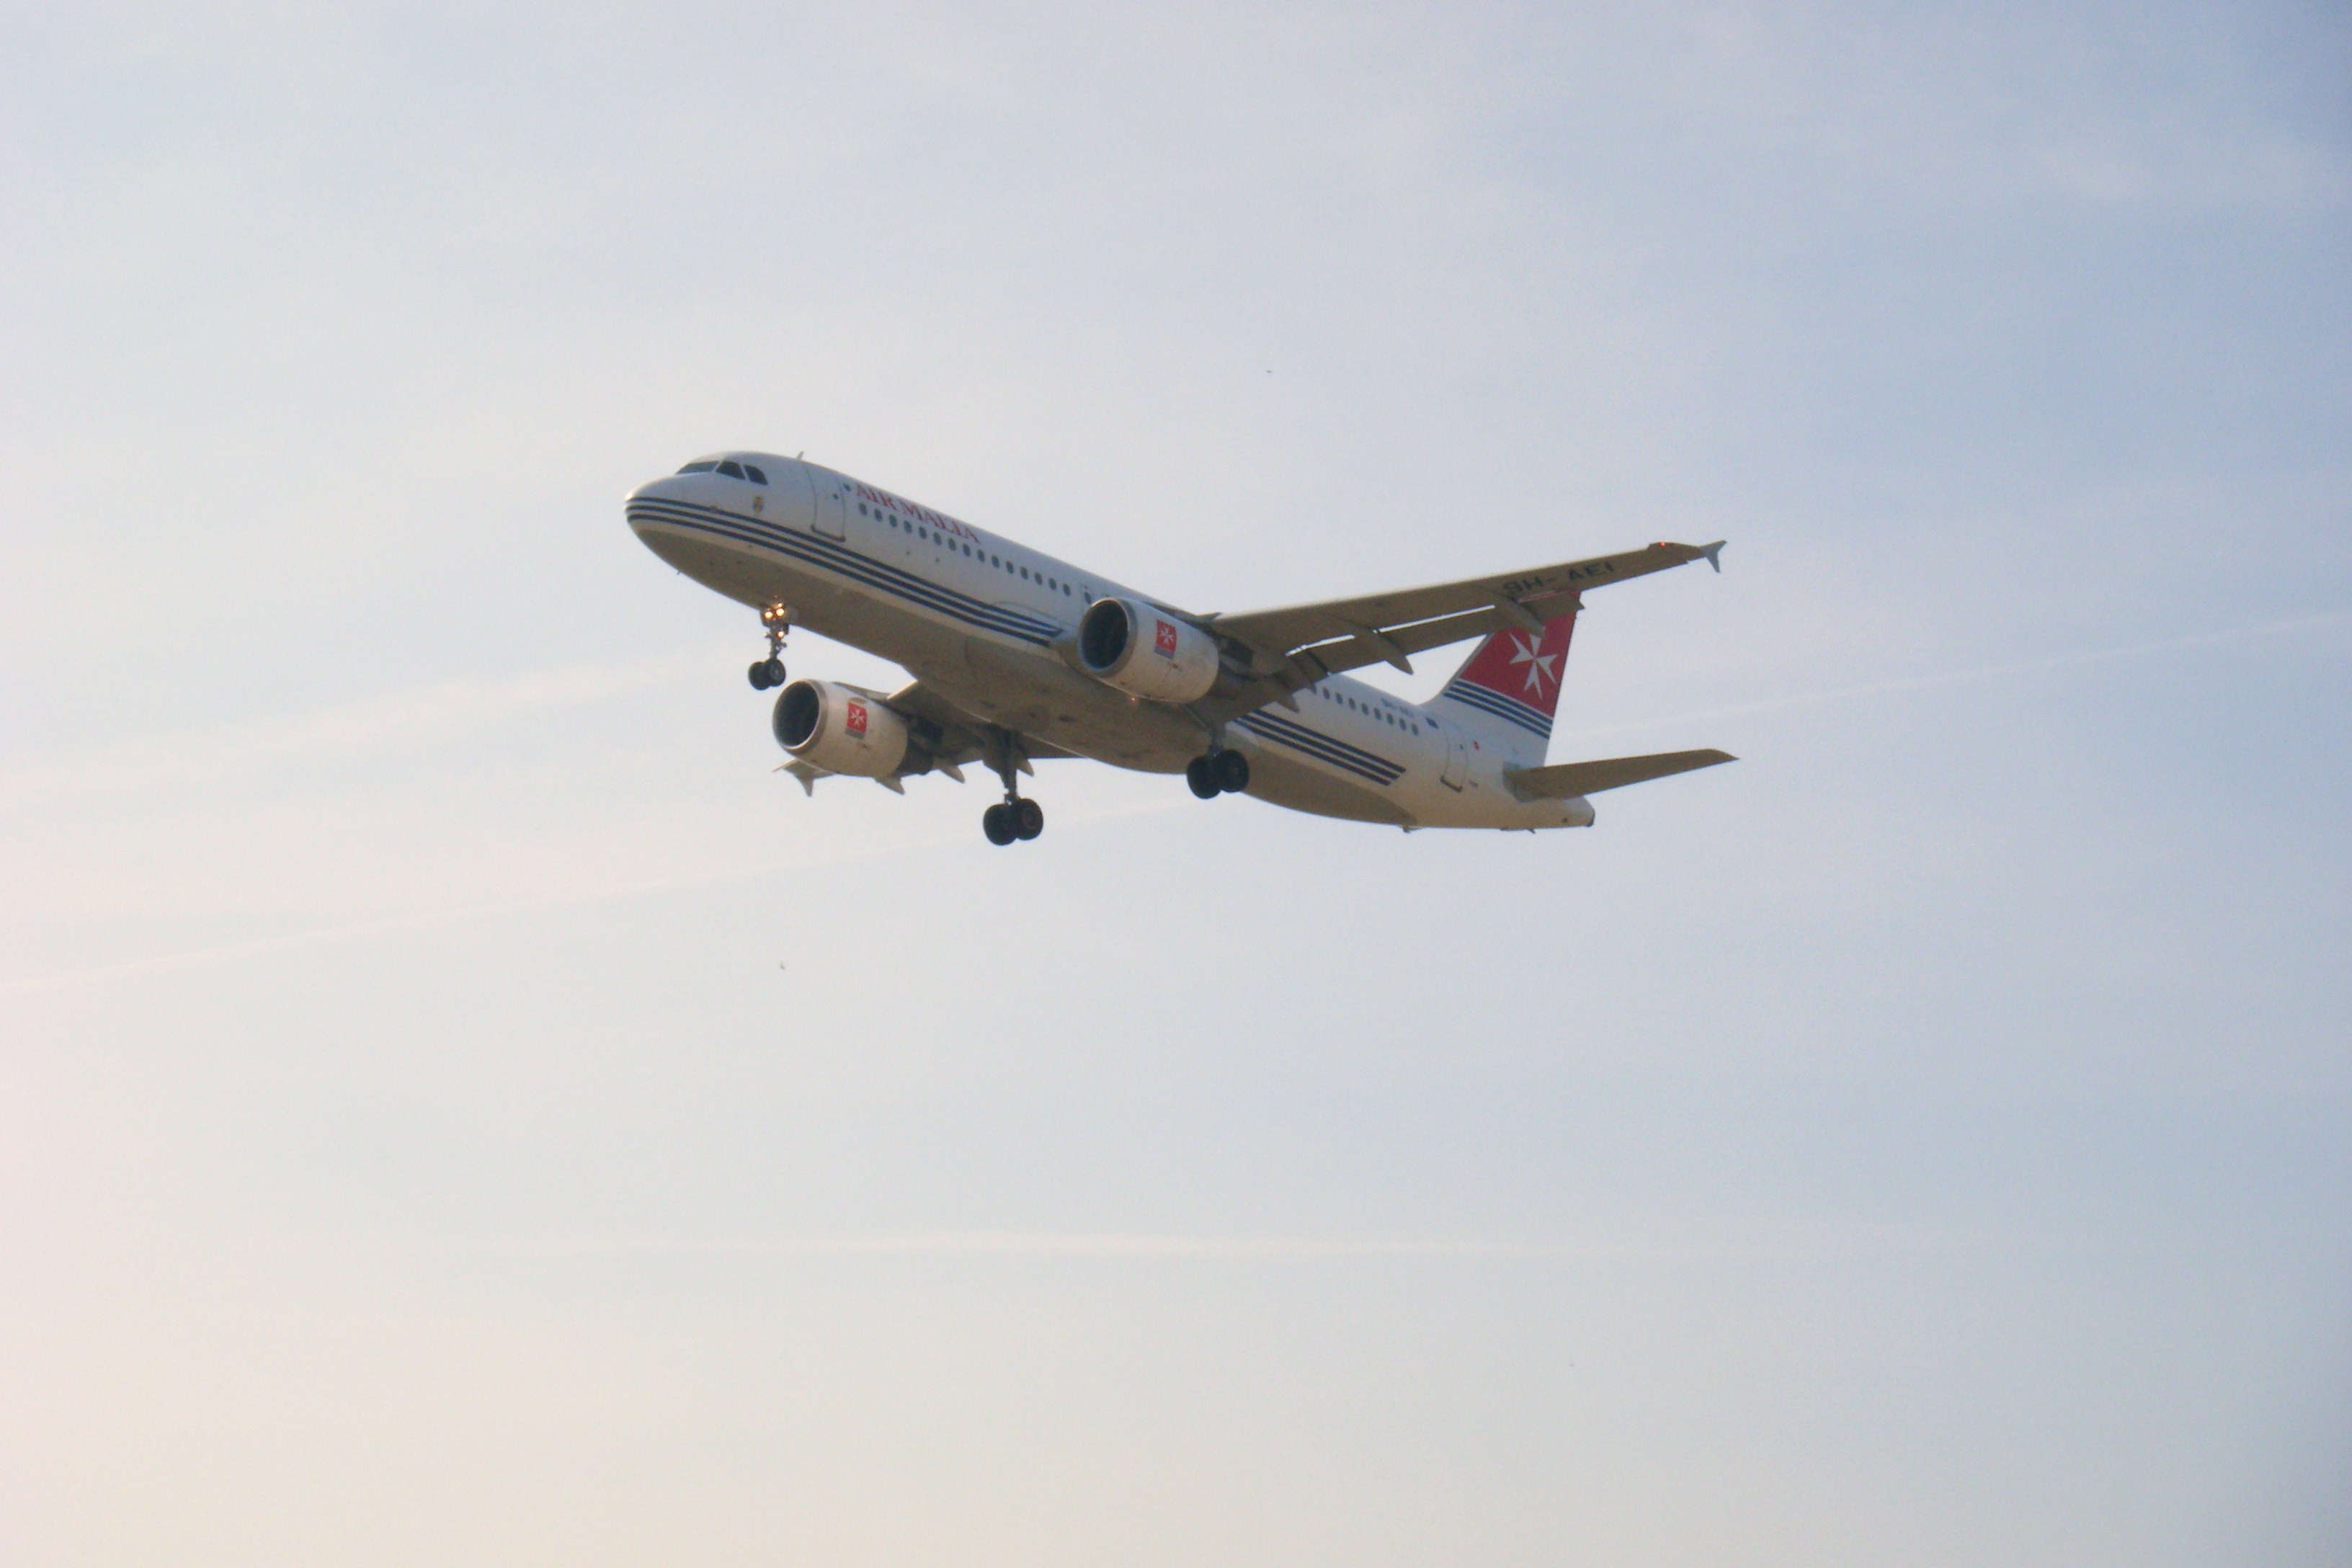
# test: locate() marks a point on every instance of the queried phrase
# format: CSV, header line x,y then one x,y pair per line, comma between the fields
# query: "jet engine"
x,y
1146,652
840,730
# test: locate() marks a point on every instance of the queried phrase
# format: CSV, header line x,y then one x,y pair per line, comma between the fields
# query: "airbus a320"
x,y
1017,658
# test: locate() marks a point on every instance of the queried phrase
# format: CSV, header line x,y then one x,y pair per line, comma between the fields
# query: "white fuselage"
x,y
986,622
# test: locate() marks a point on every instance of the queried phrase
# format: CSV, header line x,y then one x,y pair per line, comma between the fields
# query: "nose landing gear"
x,y
1221,772
770,671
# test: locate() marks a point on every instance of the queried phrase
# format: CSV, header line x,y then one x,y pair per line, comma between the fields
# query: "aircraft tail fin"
x,y
1508,689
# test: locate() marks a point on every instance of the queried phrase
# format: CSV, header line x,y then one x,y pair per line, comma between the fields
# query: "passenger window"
x,y
755,476
732,469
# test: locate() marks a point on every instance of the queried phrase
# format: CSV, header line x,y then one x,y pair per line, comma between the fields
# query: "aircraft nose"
x,y
649,502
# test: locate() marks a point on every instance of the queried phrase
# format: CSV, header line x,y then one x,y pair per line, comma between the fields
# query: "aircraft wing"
x,y
1563,780
953,736
1298,645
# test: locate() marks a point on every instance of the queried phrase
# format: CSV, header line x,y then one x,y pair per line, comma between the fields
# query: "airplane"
x,y
1017,657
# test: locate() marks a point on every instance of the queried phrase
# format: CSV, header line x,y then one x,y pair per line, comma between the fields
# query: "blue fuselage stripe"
x,y
1324,748
1500,706
835,556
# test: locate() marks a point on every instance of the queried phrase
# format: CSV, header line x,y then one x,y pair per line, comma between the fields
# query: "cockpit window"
x,y
727,465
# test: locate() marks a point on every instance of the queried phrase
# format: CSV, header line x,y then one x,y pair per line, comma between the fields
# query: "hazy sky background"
x,y
458,1105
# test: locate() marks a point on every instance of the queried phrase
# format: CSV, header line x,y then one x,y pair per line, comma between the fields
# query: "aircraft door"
x,y
833,513
1457,760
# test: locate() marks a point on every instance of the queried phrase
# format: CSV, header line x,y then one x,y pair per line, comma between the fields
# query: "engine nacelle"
x,y
1146,652
840,730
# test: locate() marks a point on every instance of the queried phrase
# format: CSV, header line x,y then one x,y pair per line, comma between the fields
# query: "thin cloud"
x,y
1985,672
404,716
857,851
1773,1238
458,701
1050,1244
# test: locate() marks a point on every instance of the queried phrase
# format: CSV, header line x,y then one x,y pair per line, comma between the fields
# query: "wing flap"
x,y
1355,652
1563,780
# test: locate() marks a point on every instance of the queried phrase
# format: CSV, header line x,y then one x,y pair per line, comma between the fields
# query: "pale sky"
x,y
459,1105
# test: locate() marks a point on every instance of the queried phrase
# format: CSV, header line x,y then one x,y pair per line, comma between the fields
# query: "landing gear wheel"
x,y
776,620
1217,773
1014,817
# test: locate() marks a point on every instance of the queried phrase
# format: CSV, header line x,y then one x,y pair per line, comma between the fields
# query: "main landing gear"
x,y
770,671
1018,816
1217,773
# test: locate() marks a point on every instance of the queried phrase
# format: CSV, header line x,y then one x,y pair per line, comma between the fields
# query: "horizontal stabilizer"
x,y
1566,779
